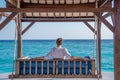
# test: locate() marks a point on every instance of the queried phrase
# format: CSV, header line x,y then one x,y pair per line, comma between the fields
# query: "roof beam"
x,y
89,26
7,20
58,9
31,5
12,2
103,3
105,21
6,15
28,27
57,19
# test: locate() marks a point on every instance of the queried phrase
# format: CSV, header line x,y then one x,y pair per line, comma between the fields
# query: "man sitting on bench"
x,y
58,52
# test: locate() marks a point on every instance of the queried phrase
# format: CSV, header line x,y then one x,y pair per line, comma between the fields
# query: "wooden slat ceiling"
x,y
57,14
59,1
33,3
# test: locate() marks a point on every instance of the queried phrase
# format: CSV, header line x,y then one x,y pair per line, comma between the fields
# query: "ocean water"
x,y
35,48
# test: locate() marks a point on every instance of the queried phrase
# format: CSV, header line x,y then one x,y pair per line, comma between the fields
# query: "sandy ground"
x,y
105,75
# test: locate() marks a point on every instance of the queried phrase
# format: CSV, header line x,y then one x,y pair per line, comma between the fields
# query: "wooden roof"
x,y
55,3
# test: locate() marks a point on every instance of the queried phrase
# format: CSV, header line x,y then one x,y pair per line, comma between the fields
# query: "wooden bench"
x,y
57,68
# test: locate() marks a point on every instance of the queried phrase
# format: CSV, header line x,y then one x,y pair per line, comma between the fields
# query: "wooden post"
x,y
117,40
17,67
93,68
99,46
19,30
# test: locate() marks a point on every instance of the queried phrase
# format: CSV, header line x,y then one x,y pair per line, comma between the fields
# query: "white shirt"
x,y
58,52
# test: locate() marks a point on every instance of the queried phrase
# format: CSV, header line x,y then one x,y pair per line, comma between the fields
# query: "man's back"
x,y
58,53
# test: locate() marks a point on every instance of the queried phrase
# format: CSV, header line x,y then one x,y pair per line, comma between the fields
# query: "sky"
x,y
53,30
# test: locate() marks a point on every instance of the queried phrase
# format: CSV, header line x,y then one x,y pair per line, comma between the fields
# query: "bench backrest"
x,y
56,67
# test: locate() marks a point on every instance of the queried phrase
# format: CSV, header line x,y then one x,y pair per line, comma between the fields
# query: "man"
x,y
58,52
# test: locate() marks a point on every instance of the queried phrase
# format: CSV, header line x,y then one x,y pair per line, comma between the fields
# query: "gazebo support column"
x,y
19,39
99,46
117,41
19,29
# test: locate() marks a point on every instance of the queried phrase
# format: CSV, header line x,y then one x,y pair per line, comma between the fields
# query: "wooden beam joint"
x,y
7,20
29,26
105,22
90,27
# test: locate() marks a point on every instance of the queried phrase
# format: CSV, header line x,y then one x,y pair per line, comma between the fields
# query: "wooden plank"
x,y
7,20
58,19
58,9
28,27
89,26
117,41
54,76
105,21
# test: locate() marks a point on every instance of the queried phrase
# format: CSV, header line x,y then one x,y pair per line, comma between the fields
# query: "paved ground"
x,y
106,76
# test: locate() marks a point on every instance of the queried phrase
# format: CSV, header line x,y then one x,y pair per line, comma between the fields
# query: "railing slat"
x,y
42,67
74,67
35,67
86,68
62,67
24,68
69,67
53,67
48,67
30,67
56,67
80,67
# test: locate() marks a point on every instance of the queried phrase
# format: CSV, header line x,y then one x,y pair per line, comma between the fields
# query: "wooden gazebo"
x,y
67,11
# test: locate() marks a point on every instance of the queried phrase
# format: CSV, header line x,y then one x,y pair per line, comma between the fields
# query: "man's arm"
x,y
67,54
49,55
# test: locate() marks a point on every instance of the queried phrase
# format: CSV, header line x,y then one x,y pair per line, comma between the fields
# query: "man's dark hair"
x,y
59,41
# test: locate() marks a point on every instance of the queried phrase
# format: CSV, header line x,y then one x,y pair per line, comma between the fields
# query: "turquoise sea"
x,y
35,48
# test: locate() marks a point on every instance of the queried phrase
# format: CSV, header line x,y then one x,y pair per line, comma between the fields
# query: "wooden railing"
x,y
40,68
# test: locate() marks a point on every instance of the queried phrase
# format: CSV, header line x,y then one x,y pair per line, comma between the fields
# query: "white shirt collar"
x,y
59,47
